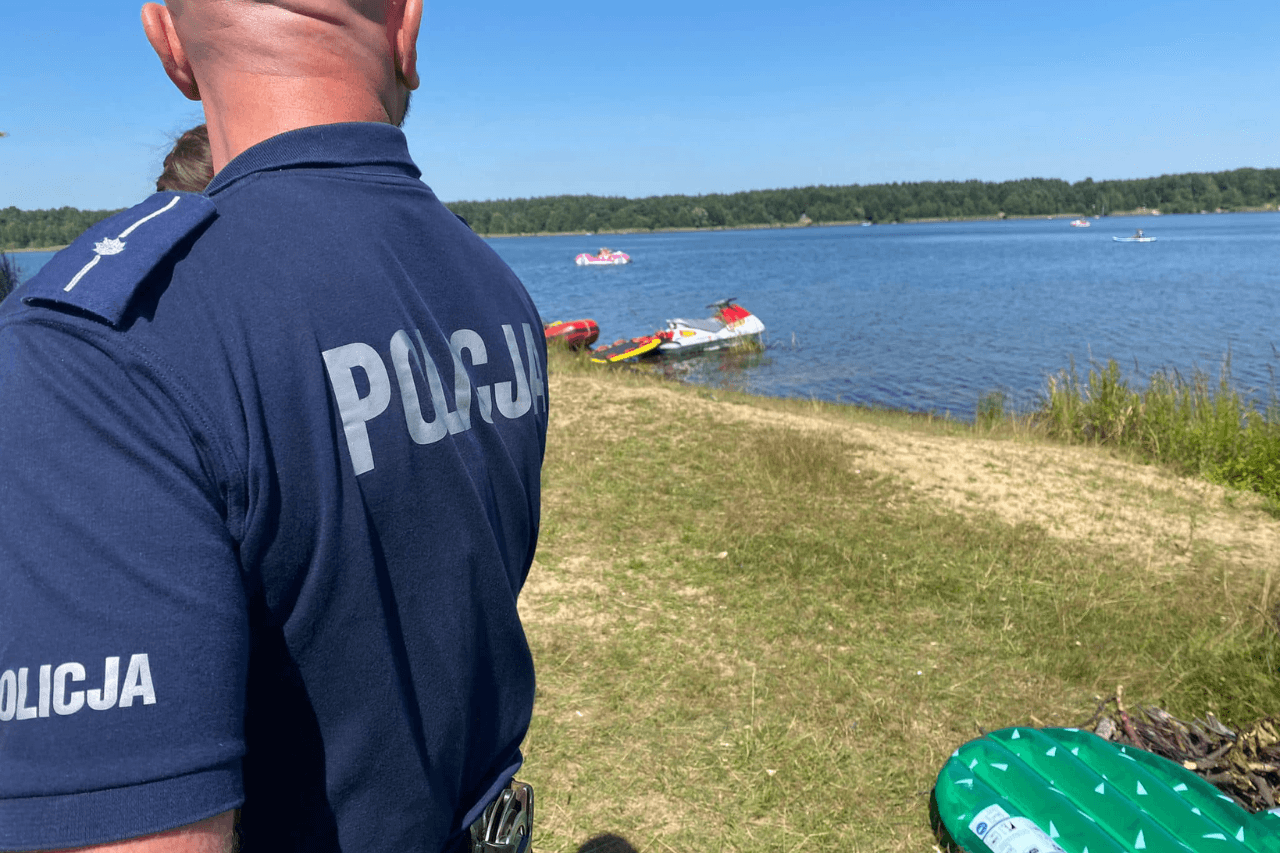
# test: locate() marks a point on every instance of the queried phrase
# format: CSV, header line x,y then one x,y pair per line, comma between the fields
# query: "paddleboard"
x,y
625,349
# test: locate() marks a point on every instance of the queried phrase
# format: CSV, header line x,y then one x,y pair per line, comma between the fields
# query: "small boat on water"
x,y
1080,223
731,325
603,258
1138,237
574,334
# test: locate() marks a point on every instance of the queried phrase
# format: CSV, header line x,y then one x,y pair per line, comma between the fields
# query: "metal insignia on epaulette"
x,y
109,246
100,272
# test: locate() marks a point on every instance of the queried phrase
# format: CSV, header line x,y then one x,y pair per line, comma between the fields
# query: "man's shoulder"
x,y
100,272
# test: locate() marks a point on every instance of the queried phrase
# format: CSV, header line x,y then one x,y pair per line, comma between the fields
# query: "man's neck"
x,y
262,107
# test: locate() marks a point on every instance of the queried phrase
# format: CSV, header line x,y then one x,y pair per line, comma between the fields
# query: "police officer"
x,y
269,477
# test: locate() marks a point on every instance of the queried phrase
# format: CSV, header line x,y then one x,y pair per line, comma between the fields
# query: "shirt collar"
x,y
348,144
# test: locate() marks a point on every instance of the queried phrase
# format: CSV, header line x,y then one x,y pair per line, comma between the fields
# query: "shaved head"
x,y
280,36
262,67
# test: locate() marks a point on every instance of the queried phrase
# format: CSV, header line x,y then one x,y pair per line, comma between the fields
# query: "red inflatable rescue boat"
x,y
574,334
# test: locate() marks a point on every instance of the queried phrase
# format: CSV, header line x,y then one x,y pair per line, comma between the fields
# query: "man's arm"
x,y
123,618
213,835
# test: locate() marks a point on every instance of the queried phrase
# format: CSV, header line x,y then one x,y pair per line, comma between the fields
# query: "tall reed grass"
x,y
1196,425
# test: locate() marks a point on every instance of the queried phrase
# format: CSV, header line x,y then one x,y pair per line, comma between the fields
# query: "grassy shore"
x,y
764,624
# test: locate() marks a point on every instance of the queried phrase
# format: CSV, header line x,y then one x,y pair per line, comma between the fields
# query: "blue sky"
x,y
530,99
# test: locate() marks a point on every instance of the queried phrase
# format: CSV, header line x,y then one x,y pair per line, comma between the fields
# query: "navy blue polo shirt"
x,y
269,487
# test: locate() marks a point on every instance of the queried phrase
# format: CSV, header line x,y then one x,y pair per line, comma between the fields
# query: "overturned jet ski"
x,y
731,325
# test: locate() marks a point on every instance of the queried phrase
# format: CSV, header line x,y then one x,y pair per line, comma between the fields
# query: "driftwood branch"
x,y
1245,765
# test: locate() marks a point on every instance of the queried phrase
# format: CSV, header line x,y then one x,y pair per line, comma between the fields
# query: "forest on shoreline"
x,y
1239,189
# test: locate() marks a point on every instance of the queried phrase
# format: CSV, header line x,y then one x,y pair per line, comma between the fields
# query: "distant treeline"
x,y
36,229
1189,193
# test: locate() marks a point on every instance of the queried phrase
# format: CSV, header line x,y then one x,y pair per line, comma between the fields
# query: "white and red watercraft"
x,y
602,258
731,325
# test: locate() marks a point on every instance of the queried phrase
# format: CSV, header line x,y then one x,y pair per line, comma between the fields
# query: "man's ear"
x,y
158,25
406,43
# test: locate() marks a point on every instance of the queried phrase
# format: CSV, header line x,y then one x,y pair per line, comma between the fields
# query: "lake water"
x,y
931,316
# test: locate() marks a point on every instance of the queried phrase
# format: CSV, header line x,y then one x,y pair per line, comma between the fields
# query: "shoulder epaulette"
x,y
99,272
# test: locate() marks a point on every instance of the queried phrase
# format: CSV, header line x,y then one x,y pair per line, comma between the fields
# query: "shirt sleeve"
x,y
123,627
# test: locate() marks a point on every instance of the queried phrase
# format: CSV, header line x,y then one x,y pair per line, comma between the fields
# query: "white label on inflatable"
x,y
986,819
1004,834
